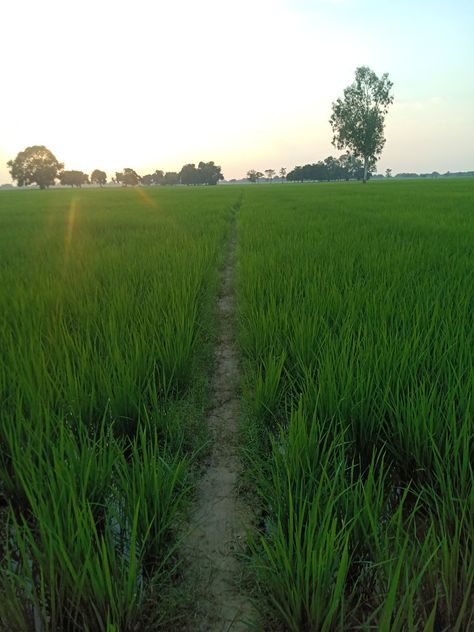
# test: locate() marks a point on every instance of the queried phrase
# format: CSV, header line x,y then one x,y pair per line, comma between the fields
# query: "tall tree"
x,y
210,173
270,173
189,174
99,177
358,119
283,173
333,168
36,164
157,177
171,177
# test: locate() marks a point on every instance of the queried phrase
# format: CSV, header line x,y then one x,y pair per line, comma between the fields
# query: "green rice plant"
x,y
450,575
304,545
68,489
63,574
425,584
267,389
75,559
58,455
303,568
155,482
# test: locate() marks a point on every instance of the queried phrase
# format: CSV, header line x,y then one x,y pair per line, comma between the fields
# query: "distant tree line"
x,y
38,165
255,176
436,174
347,167
78,178
207,173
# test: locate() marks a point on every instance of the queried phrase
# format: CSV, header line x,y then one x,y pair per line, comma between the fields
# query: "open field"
x,y
354,320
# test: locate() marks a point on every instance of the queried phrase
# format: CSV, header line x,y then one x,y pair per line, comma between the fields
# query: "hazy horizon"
x,y
248,85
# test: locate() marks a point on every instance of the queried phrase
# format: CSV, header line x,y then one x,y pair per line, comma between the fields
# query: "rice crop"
x,y
355,323
106,322
354,308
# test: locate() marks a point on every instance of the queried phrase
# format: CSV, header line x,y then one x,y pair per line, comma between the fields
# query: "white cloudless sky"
x,y
151,85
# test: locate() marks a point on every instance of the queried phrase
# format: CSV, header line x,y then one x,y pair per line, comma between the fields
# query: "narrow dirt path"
x,y
220,519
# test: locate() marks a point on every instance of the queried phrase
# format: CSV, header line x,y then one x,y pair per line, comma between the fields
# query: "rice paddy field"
x,y
354,312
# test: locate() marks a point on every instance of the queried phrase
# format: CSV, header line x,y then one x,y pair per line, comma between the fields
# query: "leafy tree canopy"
x,y
189,174
206,173
358,119
210,172
73,178
35,165
347,167
171,177
153,178
128,177
99,177
254,176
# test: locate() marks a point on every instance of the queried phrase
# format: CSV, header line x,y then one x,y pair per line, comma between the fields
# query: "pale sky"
x,y
151,85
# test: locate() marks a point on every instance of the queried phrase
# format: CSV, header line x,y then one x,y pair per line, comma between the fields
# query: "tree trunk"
x,y
366,166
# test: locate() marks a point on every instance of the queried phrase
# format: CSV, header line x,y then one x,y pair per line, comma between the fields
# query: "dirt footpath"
x,y
220,519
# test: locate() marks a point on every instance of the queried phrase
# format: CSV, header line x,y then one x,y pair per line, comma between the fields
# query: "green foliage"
x,y
254,176
358,119
35,165
127,177
98,177
170,178
347,167
73,178
153,178
205,173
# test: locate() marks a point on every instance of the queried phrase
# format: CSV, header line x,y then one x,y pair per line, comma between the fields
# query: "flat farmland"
x,y
353,325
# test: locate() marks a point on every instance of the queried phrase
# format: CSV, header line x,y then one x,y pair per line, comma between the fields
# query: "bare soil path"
x,y
220,519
